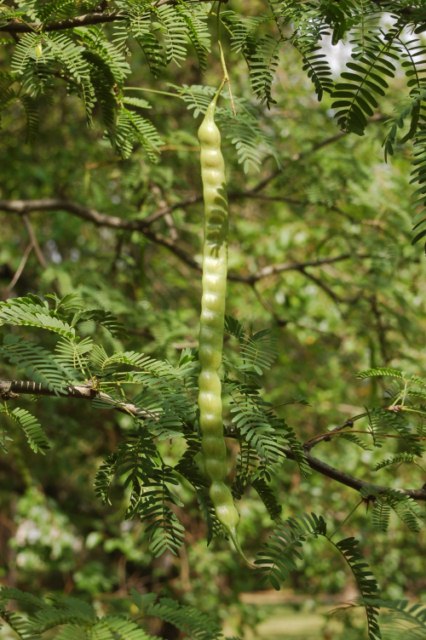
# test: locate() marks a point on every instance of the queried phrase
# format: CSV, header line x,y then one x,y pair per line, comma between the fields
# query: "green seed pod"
x,y
226,512
215,262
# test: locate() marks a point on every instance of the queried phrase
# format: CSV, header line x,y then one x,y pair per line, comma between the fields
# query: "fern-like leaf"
x,y
132,129
403,619
32,428
36,361
280,554
354,99
31,311
118,628
193,623
399,458
366,583
268,498
385,372
316,66
259,51
197,30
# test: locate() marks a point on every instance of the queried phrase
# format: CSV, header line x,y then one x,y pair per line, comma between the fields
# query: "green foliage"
x,y
354,99
190,621
71,618
163,406
403,617
404,507
96,67
328,319
283,551
36,361
366,583
33,312
32,428
260,51
150,482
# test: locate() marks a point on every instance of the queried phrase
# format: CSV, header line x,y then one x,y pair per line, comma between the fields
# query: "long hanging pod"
x,y
215,263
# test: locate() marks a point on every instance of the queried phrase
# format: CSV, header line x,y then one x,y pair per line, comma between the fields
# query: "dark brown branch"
x,y
357,484
10,389
327,290
354,483
57,204
342,477
321,437
88,19
273,269
79,21
23,207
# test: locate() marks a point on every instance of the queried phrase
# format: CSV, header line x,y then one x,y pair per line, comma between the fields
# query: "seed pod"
x,y
215,262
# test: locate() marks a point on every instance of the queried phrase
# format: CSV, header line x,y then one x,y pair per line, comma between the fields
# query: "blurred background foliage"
x,y
324,195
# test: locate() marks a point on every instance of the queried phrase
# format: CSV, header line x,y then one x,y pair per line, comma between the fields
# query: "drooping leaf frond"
x,y
68,618
259,51
32,428
189,620
133,129
355,98
402,618
150,482
268,498
38,362
31,311
284,550
366,583
281,554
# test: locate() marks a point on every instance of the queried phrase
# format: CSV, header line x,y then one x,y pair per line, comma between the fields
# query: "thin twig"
x,y
227,78
33,238
19,271
301,156
312,442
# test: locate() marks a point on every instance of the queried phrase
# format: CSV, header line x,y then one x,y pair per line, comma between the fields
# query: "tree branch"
x,y
273,269
328,290
79,21
23,207
355,483
88,19
11,389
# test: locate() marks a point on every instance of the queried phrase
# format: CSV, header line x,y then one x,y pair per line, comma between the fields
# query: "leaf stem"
x,y
159,91
344,521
